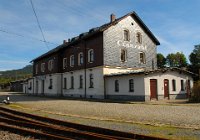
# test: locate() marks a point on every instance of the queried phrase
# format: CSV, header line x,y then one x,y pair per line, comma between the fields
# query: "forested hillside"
x,y
12,75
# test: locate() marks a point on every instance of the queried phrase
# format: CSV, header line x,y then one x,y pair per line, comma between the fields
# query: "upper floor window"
x,y
91,55
42,67
91,81
173,85
126,35
50,65
131,85
36,69
80,58
116,86
142,57
64,63
72,60
123,55
139,38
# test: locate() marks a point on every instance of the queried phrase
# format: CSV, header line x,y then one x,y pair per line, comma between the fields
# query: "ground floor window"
x,y
65,83
72,82
91,81
131,85
81,81
182,85
173,85
50,83
116,86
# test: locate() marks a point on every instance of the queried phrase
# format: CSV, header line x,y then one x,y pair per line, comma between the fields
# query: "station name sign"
x,y
131,45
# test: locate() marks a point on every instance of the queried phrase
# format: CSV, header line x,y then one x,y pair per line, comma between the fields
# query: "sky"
x,y
175,23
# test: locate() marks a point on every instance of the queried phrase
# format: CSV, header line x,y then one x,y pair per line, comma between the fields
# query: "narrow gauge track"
x,y
48,128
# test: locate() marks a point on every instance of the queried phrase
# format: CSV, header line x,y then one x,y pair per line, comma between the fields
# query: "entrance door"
x,y
153,89
166,88
42,87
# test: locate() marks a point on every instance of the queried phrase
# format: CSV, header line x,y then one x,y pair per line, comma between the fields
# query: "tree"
x,y
195,60
161,60
176,60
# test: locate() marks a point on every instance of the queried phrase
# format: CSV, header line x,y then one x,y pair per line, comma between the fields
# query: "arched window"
x,y
80,58
123,55
126,35
139,38
91,55
72,60
142,58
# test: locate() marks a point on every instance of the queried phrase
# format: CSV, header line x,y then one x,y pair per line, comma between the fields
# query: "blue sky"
x,y
174,23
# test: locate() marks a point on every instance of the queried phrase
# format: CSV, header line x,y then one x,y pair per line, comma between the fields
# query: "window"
x,y
80,58
65,83
126,35
139,38
42,67
50,83
72,82
91,81
173,85
116,86
142,57
131,85
30,86
81,81
64,63
91,55
72,60
36,69
182,85
123,55
50,65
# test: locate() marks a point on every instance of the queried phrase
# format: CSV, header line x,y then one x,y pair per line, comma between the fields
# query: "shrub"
x,y
196,92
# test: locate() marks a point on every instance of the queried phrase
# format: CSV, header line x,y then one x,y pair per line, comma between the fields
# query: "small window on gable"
x,y
126,35
64,63
116,86
139,38
80,58
42,67
123,55
50,65
142,57
72,60
91,55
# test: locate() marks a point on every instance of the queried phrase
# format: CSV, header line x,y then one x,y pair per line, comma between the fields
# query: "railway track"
x,y
47,128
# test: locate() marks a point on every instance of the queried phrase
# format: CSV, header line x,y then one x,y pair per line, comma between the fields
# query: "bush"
x,y
196,92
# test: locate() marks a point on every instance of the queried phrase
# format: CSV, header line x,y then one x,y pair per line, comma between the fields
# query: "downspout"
x,y
104,78
61,85
85,94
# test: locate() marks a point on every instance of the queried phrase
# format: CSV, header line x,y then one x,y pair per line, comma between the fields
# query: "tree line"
x,y
178,59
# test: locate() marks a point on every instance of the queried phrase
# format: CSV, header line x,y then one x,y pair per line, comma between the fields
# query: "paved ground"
x,y
122,116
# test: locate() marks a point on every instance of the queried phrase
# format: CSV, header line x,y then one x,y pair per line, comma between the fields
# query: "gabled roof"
x,y
102,28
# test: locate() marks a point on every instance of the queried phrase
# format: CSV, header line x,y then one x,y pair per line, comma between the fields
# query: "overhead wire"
x,y
38,23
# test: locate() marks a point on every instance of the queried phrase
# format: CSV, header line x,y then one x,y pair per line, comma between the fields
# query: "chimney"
x,y
112,17
65,42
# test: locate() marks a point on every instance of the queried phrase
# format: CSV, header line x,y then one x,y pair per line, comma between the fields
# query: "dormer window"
x,y
139,38
126,35
91,55
123,55
42,67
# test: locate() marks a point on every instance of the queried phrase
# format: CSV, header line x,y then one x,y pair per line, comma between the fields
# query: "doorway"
x,y
153,89
166,88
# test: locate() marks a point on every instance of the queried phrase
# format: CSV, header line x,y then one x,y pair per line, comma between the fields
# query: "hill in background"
x,y
13,75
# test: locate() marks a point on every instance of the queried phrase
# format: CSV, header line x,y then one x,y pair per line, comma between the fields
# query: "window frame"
x,y
64,63
173,85
126,35
123,56
72,61
42,67
91,55
80,59
50,65
142,60
138,37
